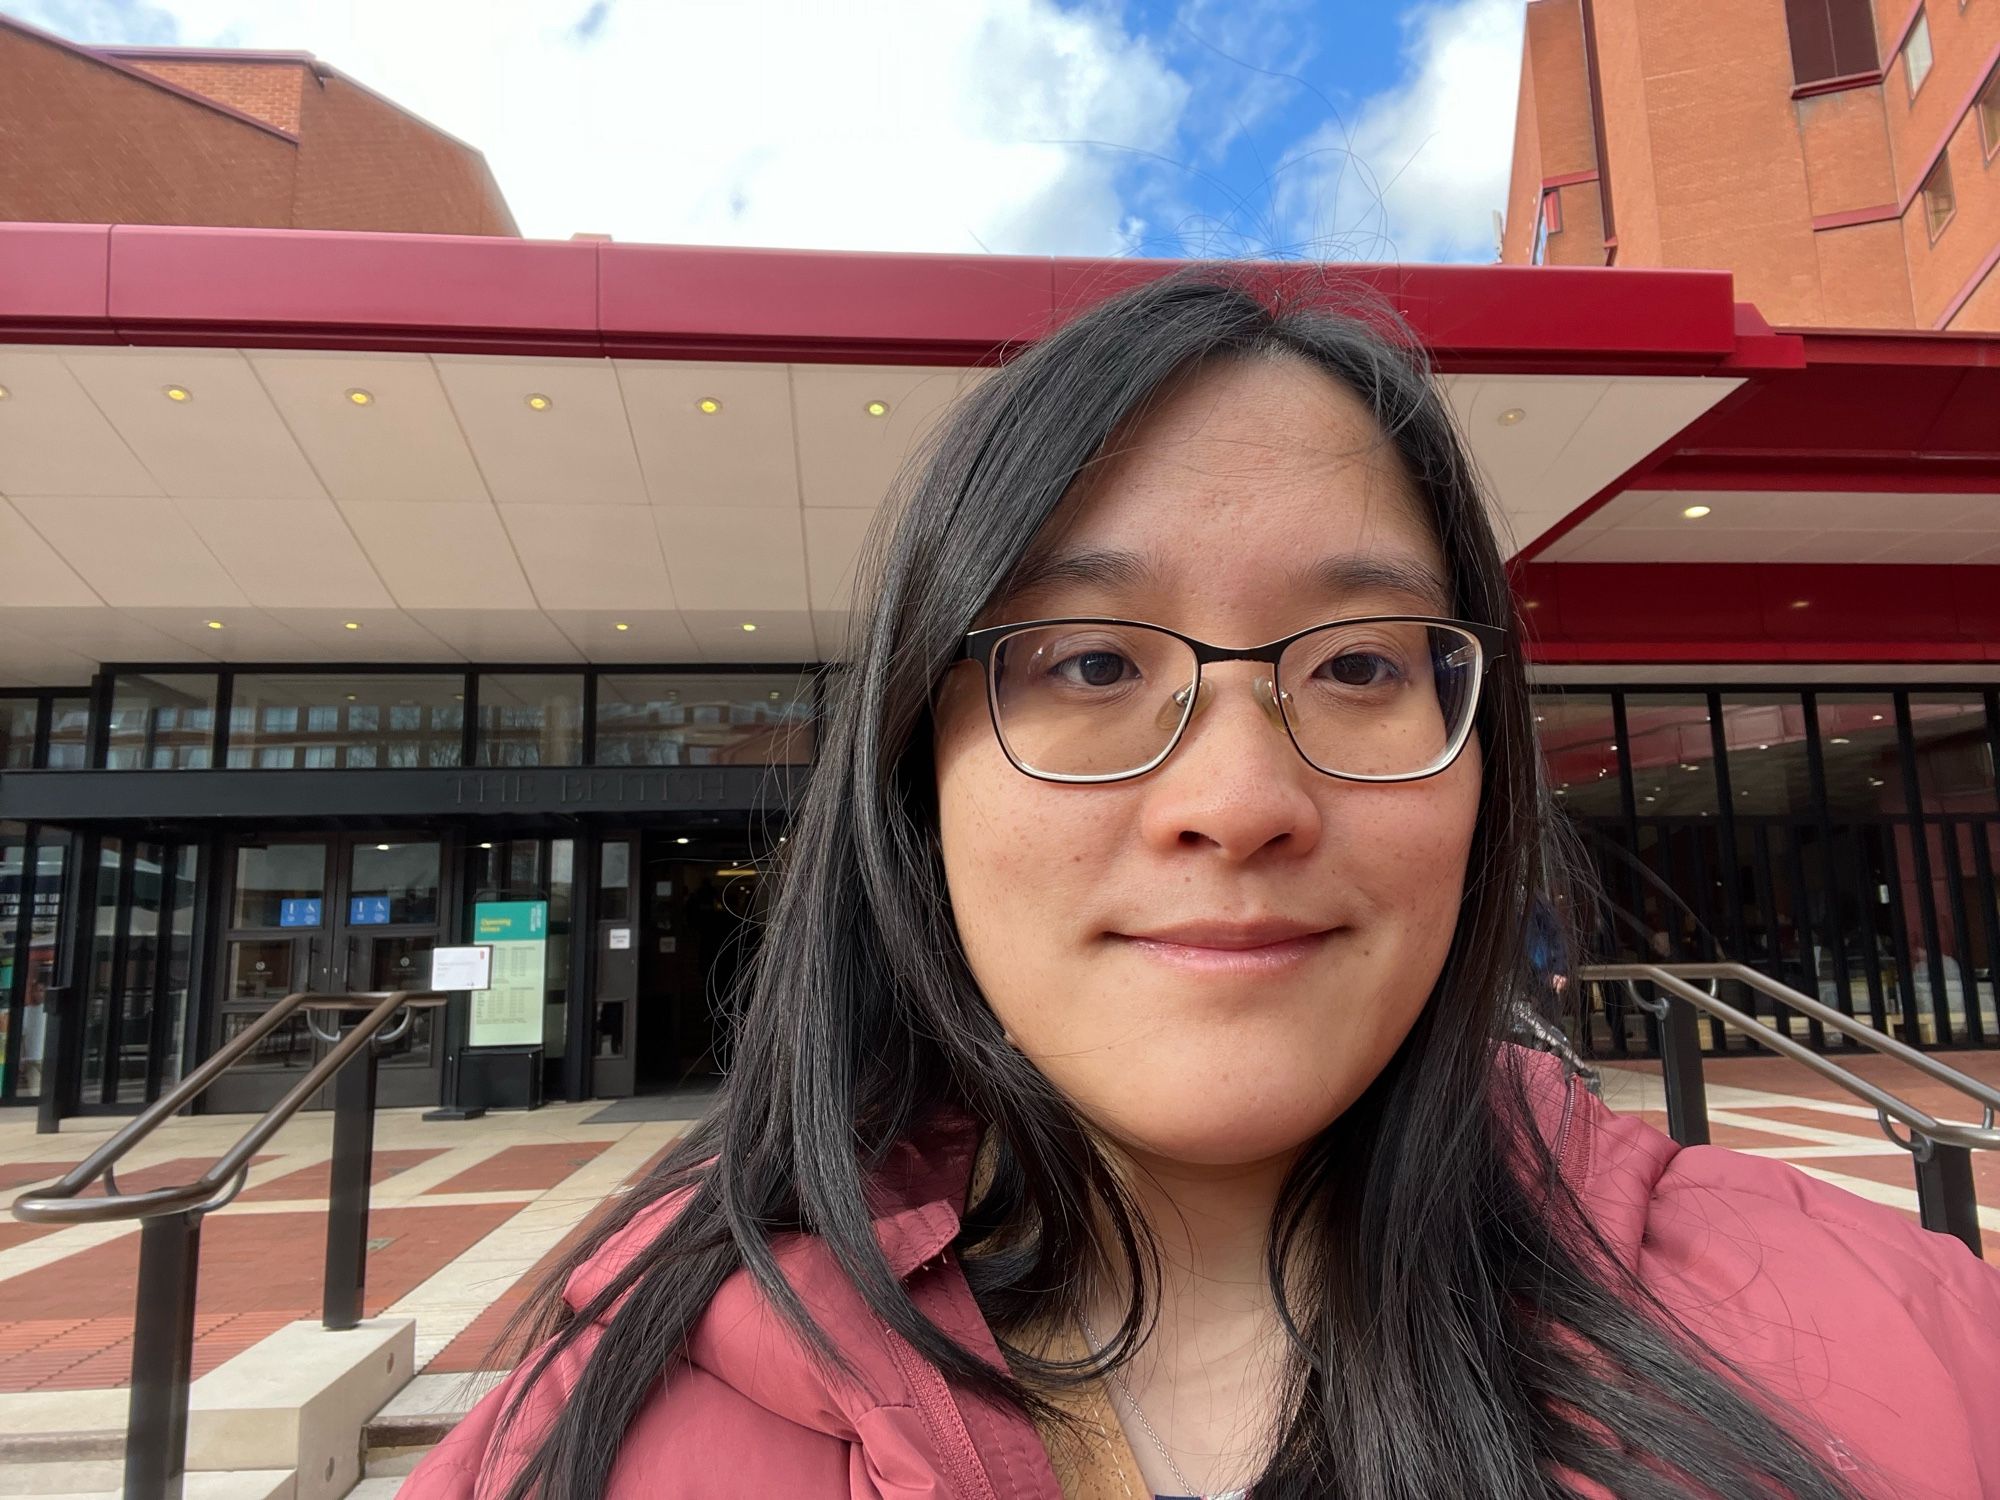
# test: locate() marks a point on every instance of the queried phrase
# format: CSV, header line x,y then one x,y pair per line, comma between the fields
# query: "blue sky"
x,y
1336,129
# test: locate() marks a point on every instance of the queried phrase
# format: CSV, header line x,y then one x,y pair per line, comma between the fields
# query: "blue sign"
x,y
367,911
298,913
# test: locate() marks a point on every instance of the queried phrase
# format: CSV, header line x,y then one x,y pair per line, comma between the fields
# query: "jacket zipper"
x,y
943,1421
1563,1128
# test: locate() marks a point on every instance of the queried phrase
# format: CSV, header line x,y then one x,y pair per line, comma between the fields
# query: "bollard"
x,y
347,1204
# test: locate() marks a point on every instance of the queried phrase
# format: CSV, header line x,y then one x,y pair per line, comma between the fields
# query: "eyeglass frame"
x,y
979,645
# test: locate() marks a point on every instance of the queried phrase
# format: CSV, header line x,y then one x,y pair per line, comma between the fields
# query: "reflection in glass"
x,y
101,977
289,1045
161,723
1579,741
17,733
261,968
141,967
176,955
1769,768
704,720
1857,736
391,884
614,882
530,720
1672,754
69,734
319,721
1954,752
269,875
39,903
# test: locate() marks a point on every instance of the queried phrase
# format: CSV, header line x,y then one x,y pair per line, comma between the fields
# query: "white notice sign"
x,y
462,968
621,937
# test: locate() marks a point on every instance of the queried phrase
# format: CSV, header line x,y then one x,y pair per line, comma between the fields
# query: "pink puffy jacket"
x,y
1886,1338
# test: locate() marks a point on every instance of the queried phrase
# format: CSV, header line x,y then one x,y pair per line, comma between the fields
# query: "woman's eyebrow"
x,y
1094,567
1340,576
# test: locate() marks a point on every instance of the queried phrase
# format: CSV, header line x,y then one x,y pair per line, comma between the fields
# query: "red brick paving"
x,y
16,1174
316,1182
524,1168
70,1323
475,1347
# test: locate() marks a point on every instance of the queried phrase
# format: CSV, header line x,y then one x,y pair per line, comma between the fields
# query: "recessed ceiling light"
x,y
1695,512
1874,780
384,848
177,393
1513,416
748,626
4,393
538,402
1650,797
680,841
1878,718
1801,603
1763,747
486,846
352,696
877,408
774,697
1841,739
620,625
350,624
215,624
708,406
1532,604
1611,747
360,397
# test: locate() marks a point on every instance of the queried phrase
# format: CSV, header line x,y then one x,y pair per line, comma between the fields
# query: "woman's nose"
x,y
1234,783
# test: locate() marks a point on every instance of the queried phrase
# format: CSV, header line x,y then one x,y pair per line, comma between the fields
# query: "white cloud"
x,y
946,125
1418,173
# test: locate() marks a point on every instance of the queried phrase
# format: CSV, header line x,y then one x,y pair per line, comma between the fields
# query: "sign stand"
x,y
459,972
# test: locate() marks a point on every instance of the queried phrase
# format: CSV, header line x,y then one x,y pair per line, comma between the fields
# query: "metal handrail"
x,y
1674,979
61,1203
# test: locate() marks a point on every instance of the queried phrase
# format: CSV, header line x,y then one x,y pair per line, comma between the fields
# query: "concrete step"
x,y
422,1412
84,1482
376,1489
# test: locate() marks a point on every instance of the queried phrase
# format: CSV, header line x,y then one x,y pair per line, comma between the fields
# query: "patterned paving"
x,y
467,1216
460,1211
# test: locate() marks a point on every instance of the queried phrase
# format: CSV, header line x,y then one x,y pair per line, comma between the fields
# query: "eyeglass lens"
x,y
1362,698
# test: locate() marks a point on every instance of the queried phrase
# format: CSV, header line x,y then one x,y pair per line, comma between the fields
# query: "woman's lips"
x,y
1217,948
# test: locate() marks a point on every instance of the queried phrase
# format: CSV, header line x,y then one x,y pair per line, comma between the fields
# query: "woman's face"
x,y
1121,931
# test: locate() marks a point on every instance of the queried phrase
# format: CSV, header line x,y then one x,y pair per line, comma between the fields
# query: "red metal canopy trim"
x,y
264,288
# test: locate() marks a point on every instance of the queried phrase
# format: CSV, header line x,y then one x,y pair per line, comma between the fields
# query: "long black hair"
x,y
1455,1327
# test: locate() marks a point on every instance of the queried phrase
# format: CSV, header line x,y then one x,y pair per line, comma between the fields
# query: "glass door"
x,y
135,1005
331,916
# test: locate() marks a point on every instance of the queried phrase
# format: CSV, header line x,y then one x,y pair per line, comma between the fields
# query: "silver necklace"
x,y
1166,1456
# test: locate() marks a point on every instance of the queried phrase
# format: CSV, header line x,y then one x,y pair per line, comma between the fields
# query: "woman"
x,y
1120,1106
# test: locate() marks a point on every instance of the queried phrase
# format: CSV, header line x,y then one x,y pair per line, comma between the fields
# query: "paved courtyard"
x,y
466,1215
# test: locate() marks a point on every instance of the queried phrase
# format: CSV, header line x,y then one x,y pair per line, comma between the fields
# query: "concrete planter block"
x,y
298,1402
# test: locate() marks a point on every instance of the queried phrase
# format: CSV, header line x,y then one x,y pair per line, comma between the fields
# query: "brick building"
x,y
1837,156
271,140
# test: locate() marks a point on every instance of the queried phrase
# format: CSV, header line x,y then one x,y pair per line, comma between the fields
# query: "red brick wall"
x,y
81,142
1864,278
269,91
365,164
1981,311
1941,269
1524,177
1553,137
1628,133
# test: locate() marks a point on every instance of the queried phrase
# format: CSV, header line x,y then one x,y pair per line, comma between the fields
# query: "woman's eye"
x,y
1095,668
1359,669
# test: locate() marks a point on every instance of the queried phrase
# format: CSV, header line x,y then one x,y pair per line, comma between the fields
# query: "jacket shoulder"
x,y
1879,1334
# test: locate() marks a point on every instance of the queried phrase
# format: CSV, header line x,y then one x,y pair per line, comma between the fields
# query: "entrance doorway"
x,y
329,915
676,934
136,979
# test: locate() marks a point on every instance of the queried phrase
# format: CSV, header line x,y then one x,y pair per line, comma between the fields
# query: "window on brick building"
x,y
1917,53
1830,39
1989,115
1939,203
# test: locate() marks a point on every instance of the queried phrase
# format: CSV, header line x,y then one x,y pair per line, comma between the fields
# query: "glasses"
x,y
1379,698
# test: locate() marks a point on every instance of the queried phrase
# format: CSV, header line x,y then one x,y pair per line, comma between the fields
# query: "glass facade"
x,y
161,723
1844,842
31,891
69,734
530,719
704,720
312,722
17,732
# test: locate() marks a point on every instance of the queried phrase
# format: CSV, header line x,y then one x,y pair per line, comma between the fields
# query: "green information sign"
x,y
510,1013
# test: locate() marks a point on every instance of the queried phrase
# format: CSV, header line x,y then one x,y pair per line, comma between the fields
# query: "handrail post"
x,y
1946,1201
347,1204
162,1356
1680,1059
